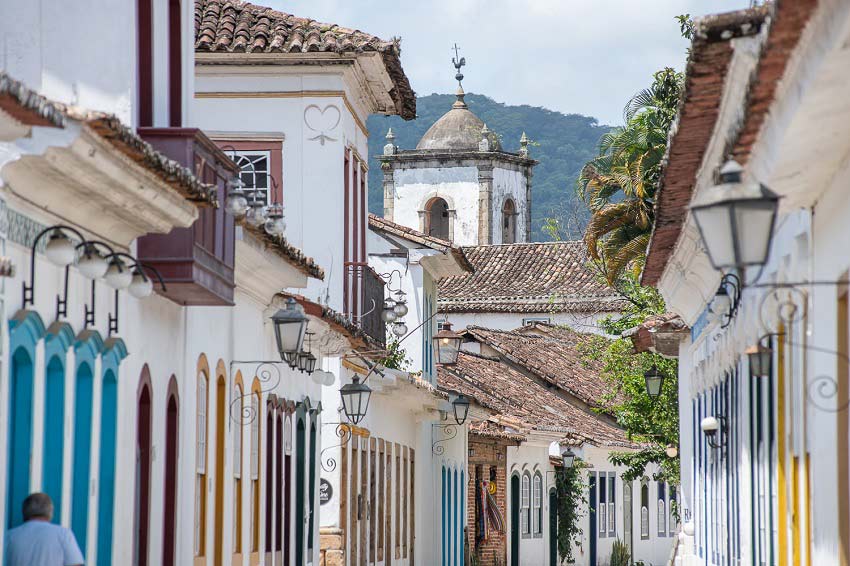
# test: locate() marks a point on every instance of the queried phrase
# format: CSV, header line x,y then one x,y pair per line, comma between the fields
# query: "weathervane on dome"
x,y
458,62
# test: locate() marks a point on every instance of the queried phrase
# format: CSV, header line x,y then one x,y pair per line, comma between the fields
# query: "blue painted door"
x,y
20,435
82,454
54,433
106,497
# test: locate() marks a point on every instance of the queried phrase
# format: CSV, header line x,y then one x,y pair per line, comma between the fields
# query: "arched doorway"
x,y
106,496
437,218
311,493
54,432
515,504
143,472
220,410
300,472
82,453
269,480
509,222
279,487
287,482
169,507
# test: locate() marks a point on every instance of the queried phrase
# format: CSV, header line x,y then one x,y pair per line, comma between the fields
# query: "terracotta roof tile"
x,y
26,105
233,26
709,60
530,277
380,224
556,357
508,392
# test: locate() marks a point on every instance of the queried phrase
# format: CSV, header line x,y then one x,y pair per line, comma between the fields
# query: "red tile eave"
x,y
11,106
788,22
325,314
790,19
703,93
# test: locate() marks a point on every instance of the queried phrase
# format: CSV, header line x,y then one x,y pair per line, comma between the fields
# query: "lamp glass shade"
x,y
760,360
710,425
654,381
736,220
256,215
290,324
236,202
400,309
118,275
722,302
310,363
447,345
461,408
388,315
355,400
91,264
569,458
399,329
672,451
59,249
290,358
141,286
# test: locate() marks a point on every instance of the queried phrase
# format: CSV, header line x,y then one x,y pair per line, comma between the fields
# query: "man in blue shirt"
x,y
38,542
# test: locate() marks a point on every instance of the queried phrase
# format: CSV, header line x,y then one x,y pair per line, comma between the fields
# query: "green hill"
x,y
566,142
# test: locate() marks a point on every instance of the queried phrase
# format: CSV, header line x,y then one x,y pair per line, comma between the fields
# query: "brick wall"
x,y
487,454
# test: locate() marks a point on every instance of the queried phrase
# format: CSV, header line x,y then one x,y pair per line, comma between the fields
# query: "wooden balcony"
x,y
364,299
197,263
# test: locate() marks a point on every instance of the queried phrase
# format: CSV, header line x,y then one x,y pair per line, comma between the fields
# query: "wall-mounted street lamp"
x,y
461,408
447,345
95,260
654,381
568,457
236,202
355,399
306,361
671,451
736,219
290,324
714,428
760,358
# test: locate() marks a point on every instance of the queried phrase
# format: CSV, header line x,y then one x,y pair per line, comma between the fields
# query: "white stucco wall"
x,y
508,184
587,323
458,186
313,182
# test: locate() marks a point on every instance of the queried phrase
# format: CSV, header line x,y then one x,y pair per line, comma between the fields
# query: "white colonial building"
x,y
763,377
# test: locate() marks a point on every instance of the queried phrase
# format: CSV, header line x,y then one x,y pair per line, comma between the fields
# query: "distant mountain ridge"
x,y
563,143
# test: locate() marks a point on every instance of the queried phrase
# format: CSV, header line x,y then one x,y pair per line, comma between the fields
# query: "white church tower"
x,y
458,184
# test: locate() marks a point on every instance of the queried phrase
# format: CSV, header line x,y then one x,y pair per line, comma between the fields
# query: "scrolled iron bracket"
x,y
449,432
342,431
268,374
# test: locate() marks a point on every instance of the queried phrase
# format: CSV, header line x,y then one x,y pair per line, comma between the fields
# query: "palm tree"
x,y
619,184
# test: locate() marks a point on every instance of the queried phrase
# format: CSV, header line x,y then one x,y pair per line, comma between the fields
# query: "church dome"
x,y
457,130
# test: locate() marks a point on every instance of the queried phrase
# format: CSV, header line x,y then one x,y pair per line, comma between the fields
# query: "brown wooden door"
x,y
169,522
143,476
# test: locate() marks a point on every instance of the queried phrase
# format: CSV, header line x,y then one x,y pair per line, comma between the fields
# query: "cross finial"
x,y
458,62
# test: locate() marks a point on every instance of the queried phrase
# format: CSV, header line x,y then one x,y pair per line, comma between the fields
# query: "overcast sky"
x,y
575,56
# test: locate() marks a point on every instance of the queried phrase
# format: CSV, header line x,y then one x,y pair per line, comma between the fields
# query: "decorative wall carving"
x,y
322,121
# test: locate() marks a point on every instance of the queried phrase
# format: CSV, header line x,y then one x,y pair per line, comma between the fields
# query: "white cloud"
x,y
576,56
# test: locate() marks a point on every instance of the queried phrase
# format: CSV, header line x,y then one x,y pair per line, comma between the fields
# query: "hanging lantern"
x,y
141,286
275,225
118,275
760,360
735,220
290,324
447,345
568,458
654,381
91,263
355,399
400,307
59,249
388,314
236,202
399,329
461,408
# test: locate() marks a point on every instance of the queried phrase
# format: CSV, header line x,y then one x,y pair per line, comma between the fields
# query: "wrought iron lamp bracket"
x,y
268,374
343,431
448,432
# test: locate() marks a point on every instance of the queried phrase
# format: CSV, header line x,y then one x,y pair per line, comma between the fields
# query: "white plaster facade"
x,y
784,507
